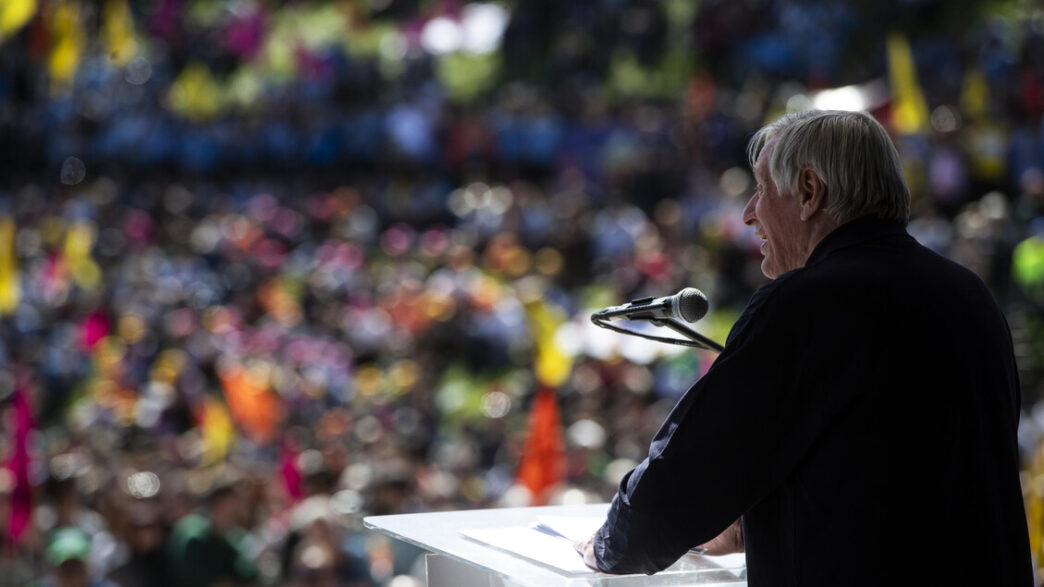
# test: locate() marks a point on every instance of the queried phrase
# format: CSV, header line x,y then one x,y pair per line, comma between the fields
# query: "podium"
x,y
454,560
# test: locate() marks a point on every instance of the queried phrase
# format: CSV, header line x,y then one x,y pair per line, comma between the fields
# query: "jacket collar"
x,y
855,232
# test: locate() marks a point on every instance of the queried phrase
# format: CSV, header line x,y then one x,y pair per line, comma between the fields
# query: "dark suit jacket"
x,y
862,420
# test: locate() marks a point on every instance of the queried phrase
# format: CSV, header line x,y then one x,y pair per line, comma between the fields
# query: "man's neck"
x,y
819,227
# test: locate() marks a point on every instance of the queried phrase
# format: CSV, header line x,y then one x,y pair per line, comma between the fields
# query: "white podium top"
x,y
439,532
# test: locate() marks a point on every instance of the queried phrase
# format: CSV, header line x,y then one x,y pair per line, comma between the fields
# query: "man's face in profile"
x,y
776,219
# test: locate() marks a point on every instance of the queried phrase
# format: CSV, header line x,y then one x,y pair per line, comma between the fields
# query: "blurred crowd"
x,y
268,267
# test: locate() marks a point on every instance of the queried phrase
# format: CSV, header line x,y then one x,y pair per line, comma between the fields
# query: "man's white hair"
x,y
850,151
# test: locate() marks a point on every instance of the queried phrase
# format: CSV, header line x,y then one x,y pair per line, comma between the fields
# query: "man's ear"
x,y
812,193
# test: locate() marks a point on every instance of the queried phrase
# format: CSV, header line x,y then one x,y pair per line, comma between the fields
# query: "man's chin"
x,y
767,270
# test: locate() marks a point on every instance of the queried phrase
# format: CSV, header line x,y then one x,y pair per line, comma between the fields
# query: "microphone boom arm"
x,y
689,333
695,339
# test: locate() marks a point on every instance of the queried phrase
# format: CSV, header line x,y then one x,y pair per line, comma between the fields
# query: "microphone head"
x,y
692,304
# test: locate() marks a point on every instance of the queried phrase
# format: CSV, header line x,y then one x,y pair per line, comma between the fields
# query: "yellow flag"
x,y
69,40
13,16
909,108
1033,496
118,32
975,94
10,283
552,365
195,94
216,430
77,255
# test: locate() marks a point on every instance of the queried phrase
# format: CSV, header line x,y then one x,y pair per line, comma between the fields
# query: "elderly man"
x,y
860,426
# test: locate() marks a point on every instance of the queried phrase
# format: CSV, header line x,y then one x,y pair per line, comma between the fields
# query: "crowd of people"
x,y
266,268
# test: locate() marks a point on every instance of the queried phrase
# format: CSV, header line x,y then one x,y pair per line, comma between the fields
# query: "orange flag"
x,y
543,463
252,405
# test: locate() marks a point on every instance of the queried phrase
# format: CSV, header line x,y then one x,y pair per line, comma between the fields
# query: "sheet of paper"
x,y
526,541
549,541
572,527
735,563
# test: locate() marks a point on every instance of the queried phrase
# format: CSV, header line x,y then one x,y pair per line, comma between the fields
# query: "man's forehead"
x,y
761,165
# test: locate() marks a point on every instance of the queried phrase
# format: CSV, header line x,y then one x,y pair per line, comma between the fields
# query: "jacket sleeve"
x,y
730,440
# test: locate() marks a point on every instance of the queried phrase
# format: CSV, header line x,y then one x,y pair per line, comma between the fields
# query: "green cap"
x,y
68,543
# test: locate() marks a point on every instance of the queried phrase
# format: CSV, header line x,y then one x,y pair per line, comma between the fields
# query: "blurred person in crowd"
x,y
867,399
67,503
147,564
208,549
67,508
68,556
314,552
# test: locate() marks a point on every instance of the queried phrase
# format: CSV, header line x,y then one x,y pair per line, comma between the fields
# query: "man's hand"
x,y
586,550
728,542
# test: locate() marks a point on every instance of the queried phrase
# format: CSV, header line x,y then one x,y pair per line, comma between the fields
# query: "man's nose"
x,y
748,211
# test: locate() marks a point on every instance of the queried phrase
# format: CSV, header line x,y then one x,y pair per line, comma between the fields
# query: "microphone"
x,y
688,305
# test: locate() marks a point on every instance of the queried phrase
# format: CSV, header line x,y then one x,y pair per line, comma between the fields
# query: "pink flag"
x,y
18,464
93,328
291,476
